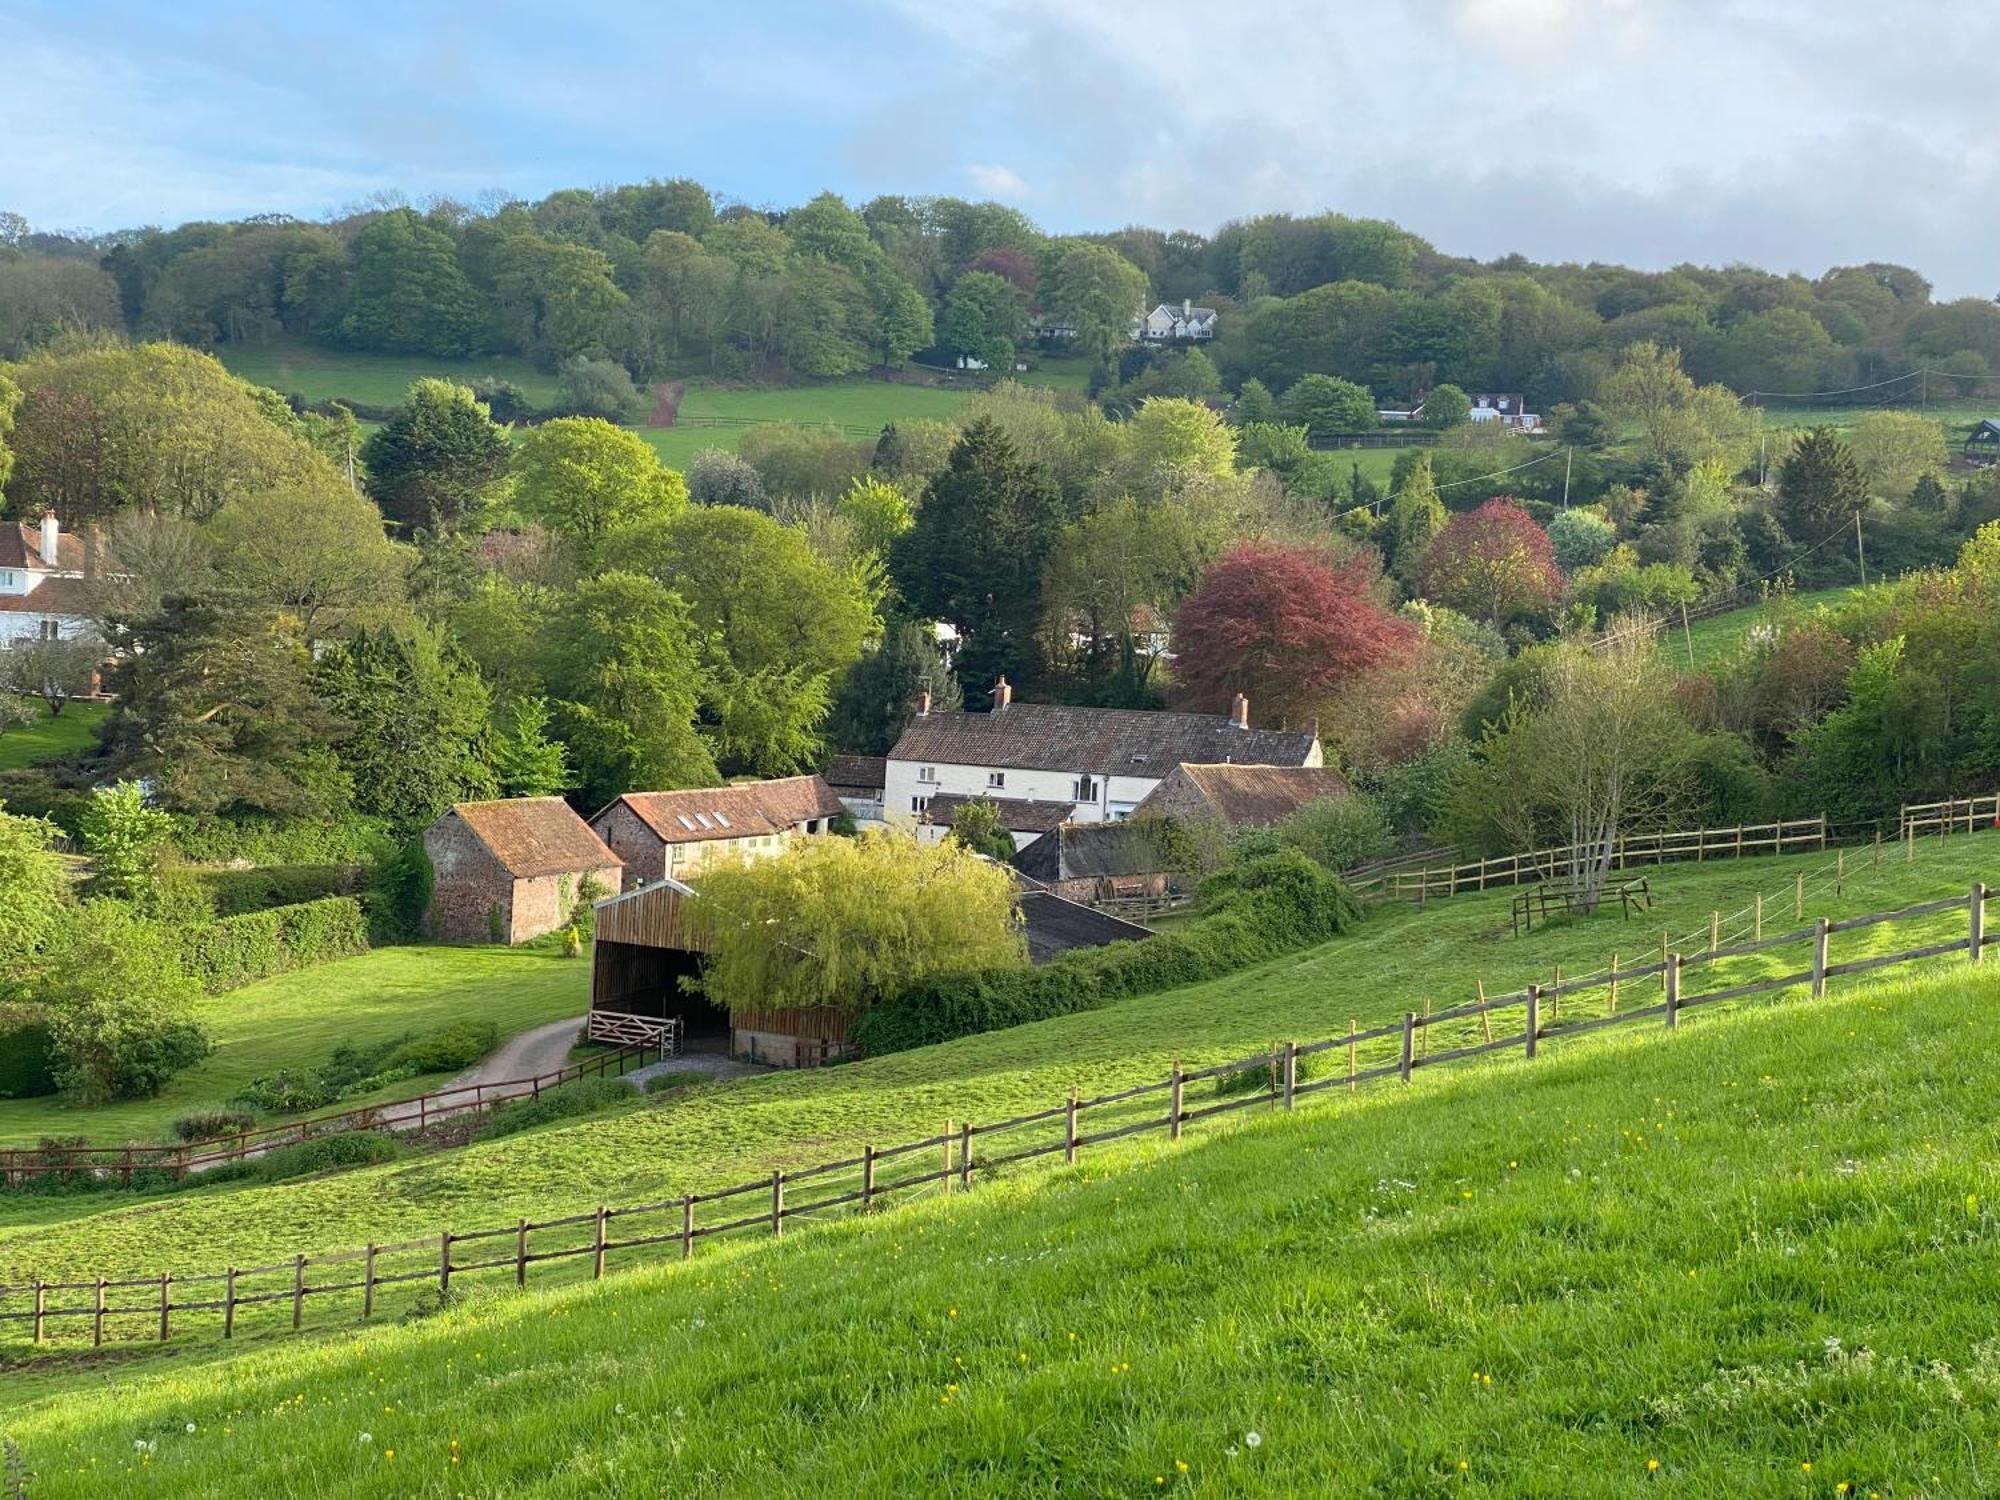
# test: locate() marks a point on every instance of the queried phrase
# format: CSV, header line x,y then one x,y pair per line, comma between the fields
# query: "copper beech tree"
x,y
1288,626
1493,564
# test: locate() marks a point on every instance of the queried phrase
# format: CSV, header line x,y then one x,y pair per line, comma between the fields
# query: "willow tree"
x,y
838,923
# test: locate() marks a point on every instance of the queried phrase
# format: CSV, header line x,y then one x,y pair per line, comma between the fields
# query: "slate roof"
x,y
1054,926
733,812
1017,814
1104,741
857,773
1078,851
1252,796
533,836
21,547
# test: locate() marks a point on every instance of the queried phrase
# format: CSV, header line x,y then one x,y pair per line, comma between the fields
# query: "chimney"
x,y
1003,694
1239,712
1187,306
51,539
924,704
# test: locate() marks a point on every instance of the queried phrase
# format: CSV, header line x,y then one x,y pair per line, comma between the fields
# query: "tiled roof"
x,y
53,596
856,773
1087,850
1054,926
536,836
1251,796
1017,814
21,547
1104,741
733,812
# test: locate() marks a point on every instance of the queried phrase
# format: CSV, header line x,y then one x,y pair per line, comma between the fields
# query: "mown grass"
x,y
732,1133
298,1019
1750,1259
320,374
52,735
1708,641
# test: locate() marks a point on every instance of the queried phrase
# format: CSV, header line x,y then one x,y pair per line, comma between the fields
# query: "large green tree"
x,y
1098,292
882,691
408,294
435,464
1820,485
582,478
316,552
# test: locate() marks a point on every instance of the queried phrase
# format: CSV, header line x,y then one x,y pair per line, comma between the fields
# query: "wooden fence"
x,y
419,1112
1794,837
1959,815
146,1307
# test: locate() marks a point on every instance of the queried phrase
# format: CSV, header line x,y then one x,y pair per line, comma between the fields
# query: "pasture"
x,y
51,736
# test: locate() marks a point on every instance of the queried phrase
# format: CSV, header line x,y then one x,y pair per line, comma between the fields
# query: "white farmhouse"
x,y
41,583
1103,762
1167,324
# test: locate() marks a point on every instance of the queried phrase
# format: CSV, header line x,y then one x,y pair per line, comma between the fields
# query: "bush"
x,y
457,1045
400,895
351,1148
208,1124
234,893
287,1092
279,841
1254,910
667,1083
235,951
27,1063
586,1096
598,388
120,1011
1338,833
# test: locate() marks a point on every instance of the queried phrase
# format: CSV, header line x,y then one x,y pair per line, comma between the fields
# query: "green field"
x,y
863,405
373,379
74,729
1754,1258
1956,414
725,1134
298,1019
1708,641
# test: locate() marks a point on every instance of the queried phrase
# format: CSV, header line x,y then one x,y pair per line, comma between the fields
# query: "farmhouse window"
x,y
996,778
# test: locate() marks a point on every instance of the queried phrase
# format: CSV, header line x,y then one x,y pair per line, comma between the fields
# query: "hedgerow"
x,y
1255,910
235,951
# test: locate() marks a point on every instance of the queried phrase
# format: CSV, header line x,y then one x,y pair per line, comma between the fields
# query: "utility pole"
x,y
1859,555
1569,457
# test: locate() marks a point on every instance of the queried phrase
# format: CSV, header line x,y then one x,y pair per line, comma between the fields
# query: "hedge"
x,y
1256,910
232,893
26,1057
235,951
279,841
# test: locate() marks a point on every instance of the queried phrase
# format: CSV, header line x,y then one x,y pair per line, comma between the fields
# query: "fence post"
x,y
1353,1026
1673,977
1409,1043
166,1302
444,1262
1840,872
1819,958
1291,1072
687,1224
97,1315
1822,833
1976,938
520,1252
1534,1018
867,1178
229,1302
1069,1128
965,1154
368,1281
777,1204
1757,921
1799,897
1714,934
41,1307
1613,1009
1174,1105
298,1291
946,1178
597,1245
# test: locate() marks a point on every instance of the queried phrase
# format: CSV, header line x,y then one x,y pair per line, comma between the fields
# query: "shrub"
x,y
124,838
667,1083
235,951
1254,910
279,841
400,895
27,1064
119,1009
207,1124
586,1096
1338,833
447,1049
287,1091
234,893
598,388
351,1148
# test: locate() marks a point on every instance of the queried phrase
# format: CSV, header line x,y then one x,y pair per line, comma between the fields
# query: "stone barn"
x,y
507,872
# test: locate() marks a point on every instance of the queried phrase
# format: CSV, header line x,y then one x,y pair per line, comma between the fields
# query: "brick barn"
x,y
510,871
670,835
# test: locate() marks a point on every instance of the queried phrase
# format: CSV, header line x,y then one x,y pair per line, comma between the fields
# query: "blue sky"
x,y
1789,133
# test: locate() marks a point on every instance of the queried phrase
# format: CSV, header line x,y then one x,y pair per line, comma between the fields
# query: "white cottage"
x,y
41,583
1102,762
1168,324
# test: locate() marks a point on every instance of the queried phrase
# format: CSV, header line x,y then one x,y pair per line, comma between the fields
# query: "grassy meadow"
x,y
298,1019
727,1133
1708,641
52,735
1752,1258
373,379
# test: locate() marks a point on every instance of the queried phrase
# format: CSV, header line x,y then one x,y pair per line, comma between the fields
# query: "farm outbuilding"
x,y
509,871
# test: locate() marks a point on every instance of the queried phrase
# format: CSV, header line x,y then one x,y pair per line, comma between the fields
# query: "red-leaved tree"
x,y
1493,563
1287,626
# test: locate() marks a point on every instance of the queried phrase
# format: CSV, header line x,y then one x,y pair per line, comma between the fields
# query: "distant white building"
x,y
41,583
1167,324
1508,411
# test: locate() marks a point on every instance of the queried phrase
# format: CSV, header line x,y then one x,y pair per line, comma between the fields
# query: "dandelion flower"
x,y
1806,1466
1652,1466
190,1427
1253,1439
1181,1464
1463,1466
389,1453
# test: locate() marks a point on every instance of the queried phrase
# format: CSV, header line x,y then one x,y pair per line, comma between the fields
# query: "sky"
x,y
1791,134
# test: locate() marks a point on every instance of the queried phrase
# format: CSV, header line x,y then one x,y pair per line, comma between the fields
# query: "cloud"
x,y
997,181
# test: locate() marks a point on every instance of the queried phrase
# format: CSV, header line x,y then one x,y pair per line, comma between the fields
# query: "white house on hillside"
x,y
1167,324
1102,762
41,583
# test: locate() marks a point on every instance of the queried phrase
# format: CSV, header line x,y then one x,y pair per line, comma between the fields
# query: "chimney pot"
x,y
1003,693
1239,712
1187,306
51,539
924,704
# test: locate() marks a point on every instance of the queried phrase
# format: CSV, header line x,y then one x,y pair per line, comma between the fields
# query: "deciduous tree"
x,y
1493,563
583,478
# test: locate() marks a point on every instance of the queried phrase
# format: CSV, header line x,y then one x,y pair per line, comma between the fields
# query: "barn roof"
x,y
533,836
1108,741
1252,796
732,812
857,773
1079,851
1054,926
1017,814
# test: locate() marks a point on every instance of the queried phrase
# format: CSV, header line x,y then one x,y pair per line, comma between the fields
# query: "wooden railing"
x,y
1797,836
418,1112
145,1307
1959,815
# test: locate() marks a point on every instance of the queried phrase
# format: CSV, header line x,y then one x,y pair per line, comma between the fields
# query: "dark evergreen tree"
x,y
1819,485
433,464
881,692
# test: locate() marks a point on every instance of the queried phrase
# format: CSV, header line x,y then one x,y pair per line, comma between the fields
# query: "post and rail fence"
x,y
132,1308
418,1112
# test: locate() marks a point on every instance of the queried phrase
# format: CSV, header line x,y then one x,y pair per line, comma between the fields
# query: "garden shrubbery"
x,y
27,1067
234,951
1253,910
586,1096
353,1071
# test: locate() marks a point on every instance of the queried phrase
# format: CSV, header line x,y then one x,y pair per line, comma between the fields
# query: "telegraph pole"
x,y
1859,555
1569,457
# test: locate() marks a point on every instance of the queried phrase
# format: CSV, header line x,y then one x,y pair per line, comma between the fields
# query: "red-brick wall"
x,y
469,883
643,850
